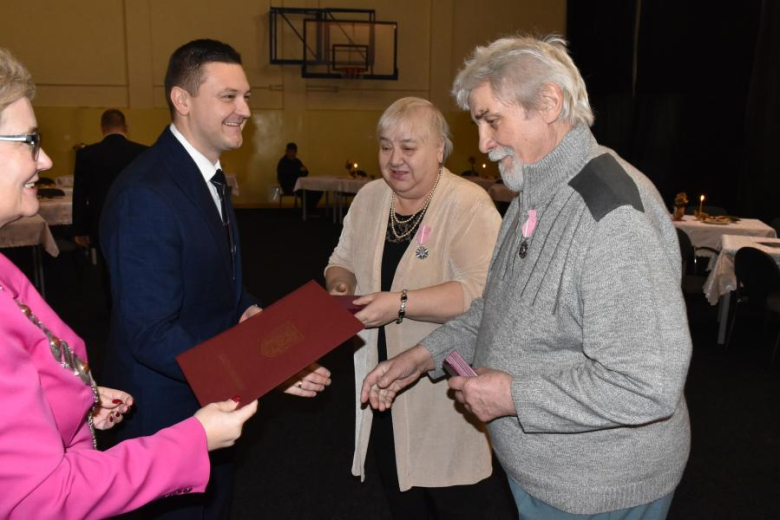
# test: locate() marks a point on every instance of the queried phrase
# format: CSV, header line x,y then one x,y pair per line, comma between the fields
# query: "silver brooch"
x,y
421,252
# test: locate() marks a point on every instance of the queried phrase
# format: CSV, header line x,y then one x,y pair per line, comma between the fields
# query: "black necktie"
x,y
220,182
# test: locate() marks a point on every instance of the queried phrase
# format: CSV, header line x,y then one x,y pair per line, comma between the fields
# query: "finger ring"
x,y
299,384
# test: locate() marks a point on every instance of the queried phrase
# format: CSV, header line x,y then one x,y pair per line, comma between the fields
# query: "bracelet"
x,y
402,308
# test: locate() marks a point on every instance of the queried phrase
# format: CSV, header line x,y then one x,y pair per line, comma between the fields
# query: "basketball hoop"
x,y
352,72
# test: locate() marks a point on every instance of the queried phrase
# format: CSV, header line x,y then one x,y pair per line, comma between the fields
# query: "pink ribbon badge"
x,y
422,234
529,225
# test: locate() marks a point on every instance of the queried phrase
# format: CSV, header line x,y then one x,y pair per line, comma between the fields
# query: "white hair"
x,y
517,70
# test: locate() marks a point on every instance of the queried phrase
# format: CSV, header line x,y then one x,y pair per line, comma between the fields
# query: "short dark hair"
x,y
112,118
185,68
292,146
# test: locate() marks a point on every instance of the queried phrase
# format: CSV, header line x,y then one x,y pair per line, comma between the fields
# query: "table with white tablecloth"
x,y
31,232
58,211
709,235
334,187
705,234
722,280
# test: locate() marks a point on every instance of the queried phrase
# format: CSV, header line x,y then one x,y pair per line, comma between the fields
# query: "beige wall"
x,y
88,55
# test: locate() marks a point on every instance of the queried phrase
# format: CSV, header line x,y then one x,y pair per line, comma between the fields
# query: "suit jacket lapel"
x,y
187,176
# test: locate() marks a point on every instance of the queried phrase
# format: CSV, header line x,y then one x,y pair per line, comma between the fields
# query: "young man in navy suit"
x,y
169,234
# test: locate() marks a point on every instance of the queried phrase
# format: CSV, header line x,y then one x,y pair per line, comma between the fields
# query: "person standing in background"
x,y
97,167
288,170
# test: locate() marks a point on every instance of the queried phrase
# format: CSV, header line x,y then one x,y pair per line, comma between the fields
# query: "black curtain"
x,y
669,82
760,173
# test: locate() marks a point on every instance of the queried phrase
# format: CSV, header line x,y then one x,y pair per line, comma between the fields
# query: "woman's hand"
x,y
308,382
380,308
111,407
340,281
223,423
340,289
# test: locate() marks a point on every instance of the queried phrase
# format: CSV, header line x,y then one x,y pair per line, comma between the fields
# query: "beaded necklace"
x,y
414,219
67,359
402,229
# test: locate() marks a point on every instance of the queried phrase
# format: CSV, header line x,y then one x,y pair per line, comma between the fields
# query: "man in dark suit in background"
x,y
97,167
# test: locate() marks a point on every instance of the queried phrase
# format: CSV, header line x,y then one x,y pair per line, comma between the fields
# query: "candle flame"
x,y
701,199
484,166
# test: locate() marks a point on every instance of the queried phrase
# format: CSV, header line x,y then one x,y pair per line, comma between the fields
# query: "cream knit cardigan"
x,y
436,444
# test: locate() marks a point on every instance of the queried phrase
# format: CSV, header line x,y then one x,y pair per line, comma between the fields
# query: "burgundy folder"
x,y
346,302
259,354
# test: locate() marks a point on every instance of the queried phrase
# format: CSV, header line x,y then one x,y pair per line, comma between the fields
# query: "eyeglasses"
x,y
34,140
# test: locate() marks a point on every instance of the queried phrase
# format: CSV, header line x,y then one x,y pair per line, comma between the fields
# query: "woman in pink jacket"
x,y
49,467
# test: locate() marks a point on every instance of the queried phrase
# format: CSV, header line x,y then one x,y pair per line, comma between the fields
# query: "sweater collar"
x,y
543,178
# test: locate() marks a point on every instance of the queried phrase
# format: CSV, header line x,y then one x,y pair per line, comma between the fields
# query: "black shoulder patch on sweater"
x,y
605,186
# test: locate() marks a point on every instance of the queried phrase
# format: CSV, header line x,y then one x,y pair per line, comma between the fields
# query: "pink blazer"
x,y
48,467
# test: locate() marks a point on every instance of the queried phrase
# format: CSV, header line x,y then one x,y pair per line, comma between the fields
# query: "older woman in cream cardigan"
x,y
416,247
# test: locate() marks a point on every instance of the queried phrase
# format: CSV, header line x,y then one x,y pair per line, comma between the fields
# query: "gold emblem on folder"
x,y
280,340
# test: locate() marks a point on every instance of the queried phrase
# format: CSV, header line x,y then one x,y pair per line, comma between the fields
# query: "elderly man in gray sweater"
x,y
581,341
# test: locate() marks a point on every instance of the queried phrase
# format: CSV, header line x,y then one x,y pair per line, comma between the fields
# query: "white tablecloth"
x,y
708,235
29,231
722,279
59,210
330,184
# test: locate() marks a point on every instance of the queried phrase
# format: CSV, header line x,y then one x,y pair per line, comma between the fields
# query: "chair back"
x,y
757,276
686,249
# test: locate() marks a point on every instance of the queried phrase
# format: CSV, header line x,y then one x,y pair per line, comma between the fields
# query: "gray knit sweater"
x,y
591,325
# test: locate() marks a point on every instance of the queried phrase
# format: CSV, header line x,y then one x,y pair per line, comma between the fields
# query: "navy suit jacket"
x,y
171,280
97,167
